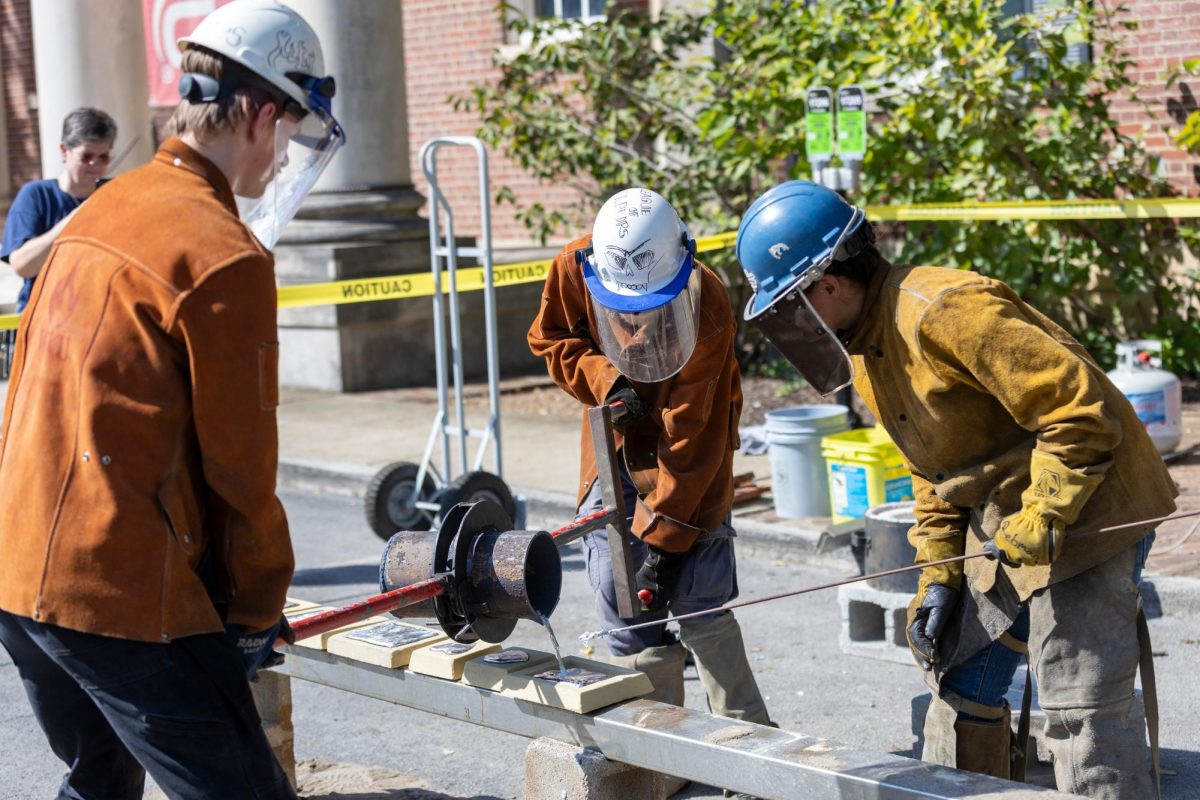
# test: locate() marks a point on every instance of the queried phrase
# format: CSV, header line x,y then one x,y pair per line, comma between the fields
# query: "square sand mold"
x,y
388,643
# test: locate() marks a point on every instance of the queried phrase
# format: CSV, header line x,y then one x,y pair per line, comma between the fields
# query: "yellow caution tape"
x,y
398,287
1171,207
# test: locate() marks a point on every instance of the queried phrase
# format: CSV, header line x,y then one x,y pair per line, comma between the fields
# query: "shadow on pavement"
x,y
335,576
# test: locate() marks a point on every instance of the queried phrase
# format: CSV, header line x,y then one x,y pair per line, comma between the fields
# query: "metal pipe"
x,y
379,604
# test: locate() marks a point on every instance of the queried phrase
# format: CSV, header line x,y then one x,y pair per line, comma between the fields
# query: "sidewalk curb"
x,y
1178,596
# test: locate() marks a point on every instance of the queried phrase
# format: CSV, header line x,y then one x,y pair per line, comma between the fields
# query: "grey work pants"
x,y
1084,651
708,580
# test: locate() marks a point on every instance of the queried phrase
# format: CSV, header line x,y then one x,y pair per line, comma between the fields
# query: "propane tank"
x,y
1156,395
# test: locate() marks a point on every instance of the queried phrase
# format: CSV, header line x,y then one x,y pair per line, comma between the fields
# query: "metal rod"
x,y
582,526
379,604
587,637
612,495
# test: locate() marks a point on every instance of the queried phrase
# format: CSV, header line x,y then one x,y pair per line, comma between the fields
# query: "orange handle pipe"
x,y
379,604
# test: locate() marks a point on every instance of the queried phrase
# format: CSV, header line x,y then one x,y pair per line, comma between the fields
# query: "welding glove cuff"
x,y
257,648
927,616
1054,500
631,408
659,575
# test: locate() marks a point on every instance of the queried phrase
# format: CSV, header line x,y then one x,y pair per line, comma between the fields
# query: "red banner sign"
x,y
166,21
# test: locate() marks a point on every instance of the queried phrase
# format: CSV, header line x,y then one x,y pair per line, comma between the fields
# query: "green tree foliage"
x,y
1188,136
971,105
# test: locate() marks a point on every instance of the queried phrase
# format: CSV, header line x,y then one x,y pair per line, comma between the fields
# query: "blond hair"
x,y
208,120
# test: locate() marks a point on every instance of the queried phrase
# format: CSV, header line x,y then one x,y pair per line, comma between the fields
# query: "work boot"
x,y
723,668
984,747
664,666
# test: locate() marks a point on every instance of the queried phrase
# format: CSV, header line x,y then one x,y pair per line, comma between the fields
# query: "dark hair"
x,y
88,125
242,94
860,268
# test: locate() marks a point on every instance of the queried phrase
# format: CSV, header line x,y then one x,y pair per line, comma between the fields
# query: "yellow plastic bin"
x,y
865,469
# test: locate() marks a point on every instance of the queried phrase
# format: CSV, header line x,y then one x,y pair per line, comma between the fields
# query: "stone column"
x,y
361,220
91,53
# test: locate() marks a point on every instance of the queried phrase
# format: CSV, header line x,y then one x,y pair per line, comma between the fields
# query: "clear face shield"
x,y
302,151
651,344
799,334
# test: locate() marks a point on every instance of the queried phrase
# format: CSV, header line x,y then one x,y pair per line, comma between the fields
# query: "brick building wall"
x,y
1168,34
20,95
448,47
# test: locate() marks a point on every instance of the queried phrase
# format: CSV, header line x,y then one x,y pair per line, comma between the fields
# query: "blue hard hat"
x,y
789,236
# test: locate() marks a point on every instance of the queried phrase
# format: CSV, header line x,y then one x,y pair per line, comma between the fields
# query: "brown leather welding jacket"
x,y
680,455
968,379
140,428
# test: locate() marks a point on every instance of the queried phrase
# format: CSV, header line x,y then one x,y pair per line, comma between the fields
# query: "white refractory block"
x,y
292,605
446,659
320,641
388,643
873,623
538,685
484,672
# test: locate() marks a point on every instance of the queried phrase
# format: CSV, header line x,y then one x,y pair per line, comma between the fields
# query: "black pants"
x,y
114,709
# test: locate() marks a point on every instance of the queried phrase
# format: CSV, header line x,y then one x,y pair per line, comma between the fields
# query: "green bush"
x,y
708,109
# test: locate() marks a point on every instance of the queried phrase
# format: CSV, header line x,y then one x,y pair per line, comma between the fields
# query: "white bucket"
x,y
799,482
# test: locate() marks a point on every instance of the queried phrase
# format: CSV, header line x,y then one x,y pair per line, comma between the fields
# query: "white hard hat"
x,y
639,247
640,272
267,38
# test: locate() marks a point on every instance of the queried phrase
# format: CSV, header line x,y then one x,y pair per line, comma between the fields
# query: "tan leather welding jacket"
x,y
967,379
680,455
140,423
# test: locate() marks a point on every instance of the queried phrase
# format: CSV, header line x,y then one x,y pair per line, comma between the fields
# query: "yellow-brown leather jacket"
x,y
140,432
680,455
967,379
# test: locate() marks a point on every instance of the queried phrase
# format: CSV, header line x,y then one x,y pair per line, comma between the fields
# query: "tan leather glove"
x,y
1055,498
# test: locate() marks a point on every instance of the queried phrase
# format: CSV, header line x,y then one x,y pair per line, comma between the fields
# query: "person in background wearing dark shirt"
x,y
42,208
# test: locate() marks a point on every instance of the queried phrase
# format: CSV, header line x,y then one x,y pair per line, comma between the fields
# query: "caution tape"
x,y
1163,207
401,287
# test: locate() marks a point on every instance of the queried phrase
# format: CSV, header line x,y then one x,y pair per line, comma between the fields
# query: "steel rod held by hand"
x,y
587,637
379,604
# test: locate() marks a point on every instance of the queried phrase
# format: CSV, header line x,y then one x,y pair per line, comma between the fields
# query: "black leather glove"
x,y
928,620
658,578
626,406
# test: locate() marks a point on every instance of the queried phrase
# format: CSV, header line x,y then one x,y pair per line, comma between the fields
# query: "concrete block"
x,y
560,771
446,659
486,672
539,685
320,641
272,694
388,644
873,623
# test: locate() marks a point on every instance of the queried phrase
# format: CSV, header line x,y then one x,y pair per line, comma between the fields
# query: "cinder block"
x,y
321,641
387,643
539,685
446,659
484,672
560,771
873,623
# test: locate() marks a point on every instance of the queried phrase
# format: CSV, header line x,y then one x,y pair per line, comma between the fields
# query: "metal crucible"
x,y
494,575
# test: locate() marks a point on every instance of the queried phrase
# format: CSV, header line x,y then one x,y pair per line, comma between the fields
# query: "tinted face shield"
x,y
800,336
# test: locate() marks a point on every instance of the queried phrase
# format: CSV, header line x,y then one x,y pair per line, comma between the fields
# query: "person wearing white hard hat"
x,y
146,555
631,319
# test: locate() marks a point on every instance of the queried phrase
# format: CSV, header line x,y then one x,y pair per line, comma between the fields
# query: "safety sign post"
x,y
818,140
